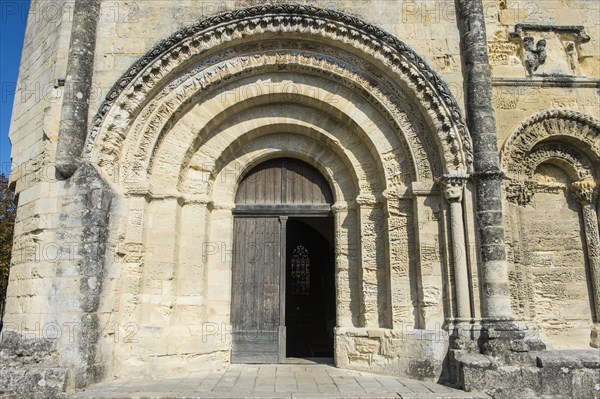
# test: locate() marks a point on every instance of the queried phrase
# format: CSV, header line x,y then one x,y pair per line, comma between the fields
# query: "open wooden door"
x,y
267,196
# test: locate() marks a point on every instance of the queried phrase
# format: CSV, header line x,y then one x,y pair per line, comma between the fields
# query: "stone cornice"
x,y
547,81
578,32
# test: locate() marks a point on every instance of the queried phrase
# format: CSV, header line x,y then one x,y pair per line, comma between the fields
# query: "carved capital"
x,y
341,207
387,196
585,191
367,200
453,187
214,206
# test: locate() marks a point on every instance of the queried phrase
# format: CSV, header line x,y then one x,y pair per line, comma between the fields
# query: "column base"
x,y
510,342
463,334
595,336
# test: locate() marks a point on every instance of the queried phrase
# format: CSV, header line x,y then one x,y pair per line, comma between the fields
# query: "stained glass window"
x,y
300,272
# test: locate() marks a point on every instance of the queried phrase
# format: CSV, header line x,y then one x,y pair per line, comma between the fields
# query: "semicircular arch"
x,y
381,61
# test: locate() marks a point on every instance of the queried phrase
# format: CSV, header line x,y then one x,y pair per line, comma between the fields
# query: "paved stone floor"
x,y
277,381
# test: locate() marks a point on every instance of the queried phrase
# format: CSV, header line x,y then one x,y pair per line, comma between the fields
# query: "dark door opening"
x,y
310,287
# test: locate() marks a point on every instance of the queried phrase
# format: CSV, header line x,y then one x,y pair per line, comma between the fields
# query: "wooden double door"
x,y
283,290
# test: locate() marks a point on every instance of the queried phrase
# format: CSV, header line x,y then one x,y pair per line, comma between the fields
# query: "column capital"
x,y
367,199
341,207
585,191
453,187
196,200
217,206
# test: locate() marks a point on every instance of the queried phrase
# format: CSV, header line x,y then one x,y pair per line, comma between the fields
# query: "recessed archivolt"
x,y
576,165
567,139
212,156
356,128
269,119
164,111
578,134
360,129
223,185
386,58
363,125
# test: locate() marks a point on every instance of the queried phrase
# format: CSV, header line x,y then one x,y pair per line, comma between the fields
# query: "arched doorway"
x,y
263,83
283,290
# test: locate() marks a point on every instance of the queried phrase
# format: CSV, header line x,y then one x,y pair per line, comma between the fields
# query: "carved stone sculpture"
x,y
535,54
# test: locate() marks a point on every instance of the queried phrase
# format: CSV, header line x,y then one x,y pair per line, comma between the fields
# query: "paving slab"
x,y
287,381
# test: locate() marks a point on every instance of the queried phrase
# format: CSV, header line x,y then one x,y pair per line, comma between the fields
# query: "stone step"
x,y
285,381
275,395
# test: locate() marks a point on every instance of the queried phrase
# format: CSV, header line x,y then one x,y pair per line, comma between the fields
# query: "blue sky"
x,y
13,18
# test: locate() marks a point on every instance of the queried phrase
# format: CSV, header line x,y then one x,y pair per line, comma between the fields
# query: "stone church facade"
x,y
409,187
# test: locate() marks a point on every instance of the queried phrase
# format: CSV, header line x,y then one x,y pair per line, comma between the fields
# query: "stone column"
x,y
78,86
372,258
190,271
217,256
343,287
481,120
453,187
427,215
586,192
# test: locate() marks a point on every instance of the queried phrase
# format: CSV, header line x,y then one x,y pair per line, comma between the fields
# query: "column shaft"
x,y
592,237
495,297
459,257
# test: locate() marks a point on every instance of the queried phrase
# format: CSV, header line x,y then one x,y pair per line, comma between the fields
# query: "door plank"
x,y
255,296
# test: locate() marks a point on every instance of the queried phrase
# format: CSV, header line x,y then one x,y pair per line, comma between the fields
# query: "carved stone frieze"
x,y
520,192
503,53
135,91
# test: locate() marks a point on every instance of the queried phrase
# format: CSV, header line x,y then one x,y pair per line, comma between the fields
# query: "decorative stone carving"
x,y
577,165
503,53
158,116
453,187
533,142
585,191
535,55
556,44
133,92
520,192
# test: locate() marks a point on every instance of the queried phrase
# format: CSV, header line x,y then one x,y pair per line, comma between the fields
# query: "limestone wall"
x,y
33,134
550,272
